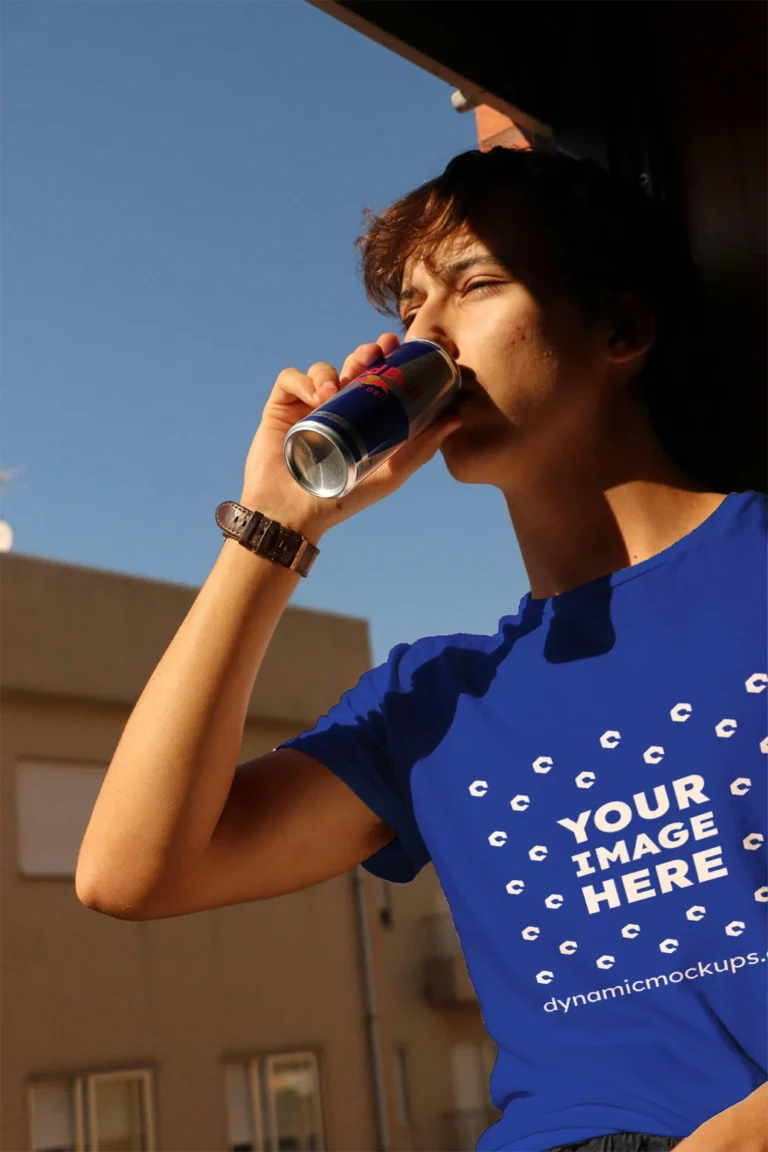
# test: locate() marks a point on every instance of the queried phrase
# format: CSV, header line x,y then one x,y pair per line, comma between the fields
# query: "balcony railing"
x,y
445,979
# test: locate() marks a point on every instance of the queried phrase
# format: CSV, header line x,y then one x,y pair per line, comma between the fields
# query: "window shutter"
x,y
53,1121
54,804
239,1114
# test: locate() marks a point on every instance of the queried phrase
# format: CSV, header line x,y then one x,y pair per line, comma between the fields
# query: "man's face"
x,y
536,374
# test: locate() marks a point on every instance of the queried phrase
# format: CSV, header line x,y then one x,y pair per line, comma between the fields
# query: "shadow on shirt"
x,y
579,627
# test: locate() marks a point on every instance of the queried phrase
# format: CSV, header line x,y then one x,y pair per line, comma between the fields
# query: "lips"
x,y
467,394
469,385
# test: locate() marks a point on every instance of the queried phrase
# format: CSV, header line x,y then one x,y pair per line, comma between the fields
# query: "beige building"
x,y
338,1018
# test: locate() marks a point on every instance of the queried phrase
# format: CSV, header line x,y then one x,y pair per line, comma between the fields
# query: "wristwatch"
x,y
266,537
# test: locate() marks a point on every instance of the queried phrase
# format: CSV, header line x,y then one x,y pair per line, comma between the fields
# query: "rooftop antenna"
x,y
6,532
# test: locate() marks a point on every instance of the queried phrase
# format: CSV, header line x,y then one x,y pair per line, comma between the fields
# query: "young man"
x,y
590,782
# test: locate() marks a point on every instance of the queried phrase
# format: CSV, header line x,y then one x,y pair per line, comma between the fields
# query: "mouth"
x,y
470,393
469,384
465,403
458,403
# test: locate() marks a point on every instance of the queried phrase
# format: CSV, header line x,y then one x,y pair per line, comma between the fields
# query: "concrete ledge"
x,y
96,635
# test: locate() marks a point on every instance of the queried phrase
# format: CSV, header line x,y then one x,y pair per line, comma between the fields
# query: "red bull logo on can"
x,y
374,386
378,380
388,372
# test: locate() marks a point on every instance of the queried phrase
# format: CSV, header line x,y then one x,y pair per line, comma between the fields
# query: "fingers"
x,y
321,380
325,379
366,355
293,385
388,342
319,383
363,357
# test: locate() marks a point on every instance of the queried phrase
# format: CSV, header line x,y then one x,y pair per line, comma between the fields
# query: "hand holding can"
x,y
354,432
267,483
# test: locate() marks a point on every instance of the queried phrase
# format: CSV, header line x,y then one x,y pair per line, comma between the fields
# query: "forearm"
x,y
173,768
758,1099
741,1128
172,772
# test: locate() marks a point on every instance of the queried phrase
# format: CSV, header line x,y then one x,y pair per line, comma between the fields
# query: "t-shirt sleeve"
x,y
360,743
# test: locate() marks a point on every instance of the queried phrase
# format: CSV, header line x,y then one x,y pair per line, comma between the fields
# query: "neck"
x,y
579,523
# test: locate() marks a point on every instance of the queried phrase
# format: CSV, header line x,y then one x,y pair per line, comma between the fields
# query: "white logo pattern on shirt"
x,y
611,739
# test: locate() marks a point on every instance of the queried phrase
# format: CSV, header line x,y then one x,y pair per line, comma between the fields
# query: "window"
x,y
54,1118
244,1117
402,1095
100,1112
54,802
273,1104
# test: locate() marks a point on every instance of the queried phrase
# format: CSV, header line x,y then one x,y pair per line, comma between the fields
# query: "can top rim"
x,y
289,447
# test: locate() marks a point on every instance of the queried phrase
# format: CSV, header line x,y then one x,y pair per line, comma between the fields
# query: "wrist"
x,y
295,519
261,532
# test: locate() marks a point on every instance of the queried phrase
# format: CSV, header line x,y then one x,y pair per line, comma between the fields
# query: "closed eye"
x,y
484,284
488,285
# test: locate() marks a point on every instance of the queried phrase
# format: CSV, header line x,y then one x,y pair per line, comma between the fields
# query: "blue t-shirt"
x,y
590,784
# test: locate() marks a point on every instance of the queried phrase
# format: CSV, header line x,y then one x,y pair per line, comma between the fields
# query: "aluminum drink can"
x,y
353,433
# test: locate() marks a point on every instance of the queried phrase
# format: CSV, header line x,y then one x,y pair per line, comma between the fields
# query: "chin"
x,y
476,456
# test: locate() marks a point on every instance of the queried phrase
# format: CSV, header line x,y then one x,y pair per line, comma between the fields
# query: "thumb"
x,y
393,473
423,447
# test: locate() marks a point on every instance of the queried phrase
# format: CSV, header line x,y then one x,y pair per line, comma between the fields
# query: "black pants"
x,y
622,1142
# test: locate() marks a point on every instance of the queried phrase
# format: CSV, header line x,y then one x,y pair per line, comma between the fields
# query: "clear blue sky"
x,y
182,185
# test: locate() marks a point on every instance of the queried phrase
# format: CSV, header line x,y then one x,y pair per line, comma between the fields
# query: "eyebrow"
x,y
454,269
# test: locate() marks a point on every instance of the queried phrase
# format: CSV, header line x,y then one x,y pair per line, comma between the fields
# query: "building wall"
x,y
83,633
429,1033
84,993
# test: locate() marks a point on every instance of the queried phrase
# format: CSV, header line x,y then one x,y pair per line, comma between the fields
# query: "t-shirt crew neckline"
x,y
707,527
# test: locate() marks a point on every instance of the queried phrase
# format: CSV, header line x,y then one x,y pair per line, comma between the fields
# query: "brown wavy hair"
x,y
605,238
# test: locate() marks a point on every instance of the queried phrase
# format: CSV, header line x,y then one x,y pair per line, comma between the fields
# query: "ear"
x,y
631,329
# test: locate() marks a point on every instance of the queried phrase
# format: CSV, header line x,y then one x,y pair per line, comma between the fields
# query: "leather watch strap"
x,y
266,537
